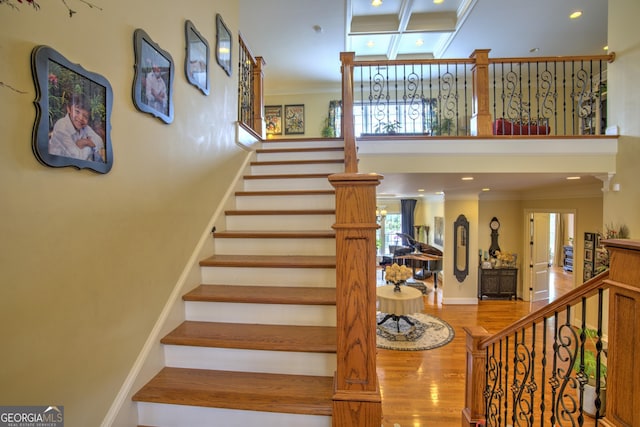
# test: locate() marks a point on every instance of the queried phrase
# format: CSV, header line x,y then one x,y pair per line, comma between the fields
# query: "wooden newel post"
x,y
474,410
623,365
481,113
356,399
258,95
348,129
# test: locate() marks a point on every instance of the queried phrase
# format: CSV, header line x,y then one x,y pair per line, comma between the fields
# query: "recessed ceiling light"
x,y
419,42
467,178
605,48
573,177
420,190
439,193
376,3
575,15
438,1
486,189
371,44
534,49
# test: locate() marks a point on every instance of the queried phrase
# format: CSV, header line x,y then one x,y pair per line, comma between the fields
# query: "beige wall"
x,y
88,260
624,39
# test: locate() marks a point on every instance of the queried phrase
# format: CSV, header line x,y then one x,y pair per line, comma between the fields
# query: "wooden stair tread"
x,y
275,234
288,176
295,162
295,394
298,150
262,294
248,336
281,212
276,261
286,193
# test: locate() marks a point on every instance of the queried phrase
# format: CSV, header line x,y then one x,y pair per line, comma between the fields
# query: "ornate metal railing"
x,y
481,96
537,371
250,90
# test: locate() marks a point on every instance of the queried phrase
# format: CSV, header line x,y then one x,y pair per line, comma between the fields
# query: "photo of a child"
x,y
73,137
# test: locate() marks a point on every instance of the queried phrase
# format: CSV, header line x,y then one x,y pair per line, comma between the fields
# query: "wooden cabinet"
x,y
497,282
567,260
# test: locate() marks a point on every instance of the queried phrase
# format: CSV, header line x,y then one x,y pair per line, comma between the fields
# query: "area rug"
x,y
428,332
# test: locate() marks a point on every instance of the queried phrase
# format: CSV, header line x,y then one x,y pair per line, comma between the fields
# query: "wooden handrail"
x,y
586,290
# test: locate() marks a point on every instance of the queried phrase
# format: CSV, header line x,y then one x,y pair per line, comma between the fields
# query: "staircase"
x,y
258,343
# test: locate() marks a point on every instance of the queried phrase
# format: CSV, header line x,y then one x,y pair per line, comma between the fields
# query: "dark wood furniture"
x,y
497,282
567,259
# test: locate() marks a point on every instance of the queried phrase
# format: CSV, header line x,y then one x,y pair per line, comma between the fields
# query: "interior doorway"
x,y
547,232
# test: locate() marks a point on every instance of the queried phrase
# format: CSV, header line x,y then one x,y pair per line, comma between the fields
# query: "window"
x,y
418,116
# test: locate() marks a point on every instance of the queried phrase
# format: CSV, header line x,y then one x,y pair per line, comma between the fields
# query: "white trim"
x,y
175,299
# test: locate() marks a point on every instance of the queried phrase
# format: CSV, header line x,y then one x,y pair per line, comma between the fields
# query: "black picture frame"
x,y
154,72
196,60
294,119
73,113
224,45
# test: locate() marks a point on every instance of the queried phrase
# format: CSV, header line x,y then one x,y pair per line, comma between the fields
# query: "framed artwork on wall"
x,y
294,119
223,45
153,81
196,60
273,119
73,113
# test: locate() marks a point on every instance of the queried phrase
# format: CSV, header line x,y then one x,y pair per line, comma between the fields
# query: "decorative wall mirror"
x,y
461,248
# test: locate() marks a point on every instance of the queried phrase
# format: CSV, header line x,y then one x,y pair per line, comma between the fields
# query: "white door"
x,y
539,262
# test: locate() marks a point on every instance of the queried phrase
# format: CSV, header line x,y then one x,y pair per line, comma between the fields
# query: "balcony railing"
x,y
481,96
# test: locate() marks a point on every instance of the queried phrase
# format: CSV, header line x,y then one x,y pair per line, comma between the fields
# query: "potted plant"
x,y
590,362
328,131
389,128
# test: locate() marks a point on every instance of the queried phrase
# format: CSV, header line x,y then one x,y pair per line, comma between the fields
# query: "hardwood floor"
x,y
426,388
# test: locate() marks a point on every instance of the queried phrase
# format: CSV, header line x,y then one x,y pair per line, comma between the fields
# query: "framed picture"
x,y
73,113
153,81
294,119
273,119
223,45
438,229
196,61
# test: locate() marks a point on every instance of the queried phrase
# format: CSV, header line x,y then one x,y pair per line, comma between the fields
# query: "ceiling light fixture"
x,y
419,42
438,1
370,44
486,189
534,49
575,15
467,178
606,48
376,3
573,177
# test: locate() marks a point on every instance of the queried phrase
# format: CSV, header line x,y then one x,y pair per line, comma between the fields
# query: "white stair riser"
x,y
312,155
287,184
327,201
312,277
298,168
280,222
270,314
303,144
154,414
232,359
254,246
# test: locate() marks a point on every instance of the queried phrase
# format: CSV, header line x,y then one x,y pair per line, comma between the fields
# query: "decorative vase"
x,y
396,286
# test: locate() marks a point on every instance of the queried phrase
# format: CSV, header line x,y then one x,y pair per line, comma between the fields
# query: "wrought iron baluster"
x,y
544,371
565,356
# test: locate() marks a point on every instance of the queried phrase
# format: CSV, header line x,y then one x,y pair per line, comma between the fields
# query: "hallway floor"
x,y
426,388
